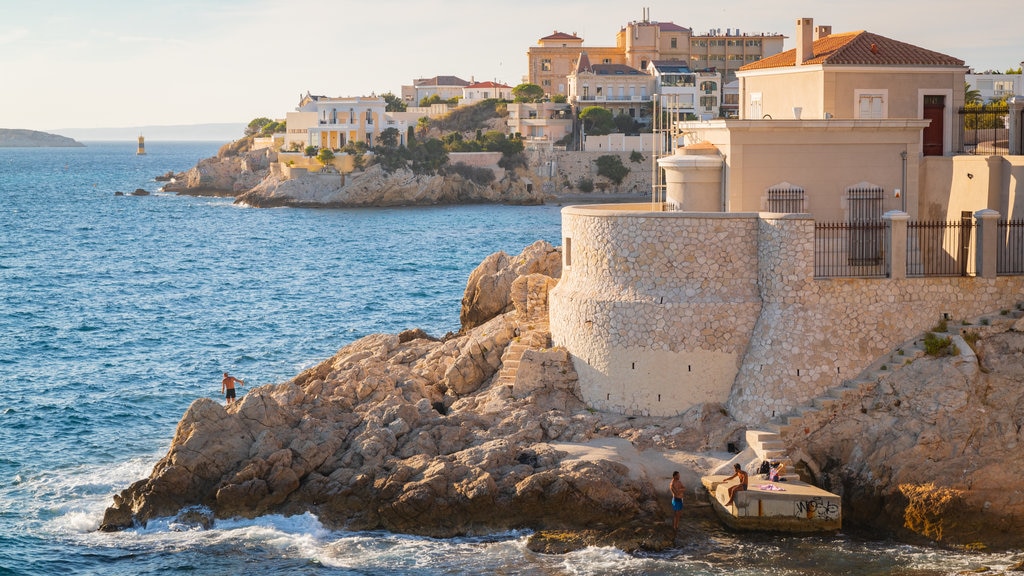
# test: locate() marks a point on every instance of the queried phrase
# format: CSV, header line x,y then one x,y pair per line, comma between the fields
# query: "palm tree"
x,y
971,95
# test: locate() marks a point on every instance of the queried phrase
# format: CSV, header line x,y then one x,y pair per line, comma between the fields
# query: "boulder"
x,y
489,287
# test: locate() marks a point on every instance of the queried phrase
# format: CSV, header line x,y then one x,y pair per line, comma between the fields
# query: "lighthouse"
x,y
142,146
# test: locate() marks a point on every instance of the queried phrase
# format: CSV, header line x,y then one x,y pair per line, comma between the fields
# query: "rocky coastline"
x,y
484,431
19,138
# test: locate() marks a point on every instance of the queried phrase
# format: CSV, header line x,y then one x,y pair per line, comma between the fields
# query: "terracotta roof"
x,y
487,85
670,27
859,48
440,81
561,36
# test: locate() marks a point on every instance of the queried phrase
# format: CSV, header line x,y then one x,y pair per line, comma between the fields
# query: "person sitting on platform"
x,y
742,485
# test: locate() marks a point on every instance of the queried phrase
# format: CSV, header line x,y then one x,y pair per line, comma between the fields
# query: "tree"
x,y
310,151
625,124
611,167
325,156
1017,71
256,125
597,121
394,103
559,99
389,137
528,92
430,100
971,95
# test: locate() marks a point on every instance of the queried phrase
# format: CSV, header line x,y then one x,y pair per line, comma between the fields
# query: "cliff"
x,y
16,138
485,431
377,187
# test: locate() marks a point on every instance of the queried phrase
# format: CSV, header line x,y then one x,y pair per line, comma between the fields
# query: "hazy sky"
x,y
112,63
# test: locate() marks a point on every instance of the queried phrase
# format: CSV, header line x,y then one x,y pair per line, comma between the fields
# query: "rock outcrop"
x,y
377,187
485,431
418,435
932,451
234,170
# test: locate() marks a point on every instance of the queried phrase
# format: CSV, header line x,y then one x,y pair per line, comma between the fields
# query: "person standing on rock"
x,y
677,489
227,387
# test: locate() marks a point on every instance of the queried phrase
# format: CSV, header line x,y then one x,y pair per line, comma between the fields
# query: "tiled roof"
x,y
859,48
670,27
487,85
612,69
561,36
441,81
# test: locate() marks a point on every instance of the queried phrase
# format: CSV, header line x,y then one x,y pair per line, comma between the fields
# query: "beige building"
x,y
540,124
619,88
857,75
445,87
640,42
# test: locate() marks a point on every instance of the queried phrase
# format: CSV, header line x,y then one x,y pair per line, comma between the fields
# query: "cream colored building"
x,y
540,124
477,92
857,75
445,87
334,122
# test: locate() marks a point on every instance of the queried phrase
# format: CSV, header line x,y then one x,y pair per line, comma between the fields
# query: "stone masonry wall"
x,y
655,308
661,311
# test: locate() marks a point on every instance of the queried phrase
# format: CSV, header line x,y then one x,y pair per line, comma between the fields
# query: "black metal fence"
x,y
984,130
940,248
850,249
1010,248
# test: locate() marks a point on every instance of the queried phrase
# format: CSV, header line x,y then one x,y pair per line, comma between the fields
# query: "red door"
x,y
934,106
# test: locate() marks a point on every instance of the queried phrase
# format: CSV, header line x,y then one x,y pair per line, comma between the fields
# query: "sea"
x,y
118,311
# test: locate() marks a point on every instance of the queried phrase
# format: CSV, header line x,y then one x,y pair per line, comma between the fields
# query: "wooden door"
x,y
934,110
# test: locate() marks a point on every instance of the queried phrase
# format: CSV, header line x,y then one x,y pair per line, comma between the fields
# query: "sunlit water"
x,y
116,312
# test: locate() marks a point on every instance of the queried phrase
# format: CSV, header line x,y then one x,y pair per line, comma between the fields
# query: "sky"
x,y
117,63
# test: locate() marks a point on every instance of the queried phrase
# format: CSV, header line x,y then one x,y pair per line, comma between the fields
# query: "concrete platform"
x,y
791,506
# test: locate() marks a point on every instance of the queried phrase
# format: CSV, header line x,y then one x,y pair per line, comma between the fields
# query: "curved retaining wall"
x,y
656,308
665,310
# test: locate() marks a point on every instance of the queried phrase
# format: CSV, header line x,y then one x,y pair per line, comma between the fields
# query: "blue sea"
x,y
116,312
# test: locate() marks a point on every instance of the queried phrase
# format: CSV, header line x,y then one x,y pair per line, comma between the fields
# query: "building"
x,y
334,122
445,87
713,295
857,75
617,87
540,124
685,92
477,92
992,87
641,42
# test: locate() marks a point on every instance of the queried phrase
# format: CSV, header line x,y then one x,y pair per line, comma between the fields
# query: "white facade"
x,y
334,122
996,86
480,91
684,91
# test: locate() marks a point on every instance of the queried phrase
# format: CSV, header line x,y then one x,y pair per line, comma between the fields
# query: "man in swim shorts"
x,y
227,387
677,489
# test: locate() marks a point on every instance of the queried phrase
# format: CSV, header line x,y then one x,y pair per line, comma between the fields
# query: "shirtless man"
x,y
227,387
742,485
677,489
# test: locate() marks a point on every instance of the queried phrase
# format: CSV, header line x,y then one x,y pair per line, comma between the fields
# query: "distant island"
x,y
17,138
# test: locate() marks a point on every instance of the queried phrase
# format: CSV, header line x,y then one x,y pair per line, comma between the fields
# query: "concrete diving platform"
x,y
789,506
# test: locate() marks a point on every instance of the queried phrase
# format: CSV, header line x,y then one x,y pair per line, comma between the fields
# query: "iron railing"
x,y
984,130
940,248
850,250
1010,248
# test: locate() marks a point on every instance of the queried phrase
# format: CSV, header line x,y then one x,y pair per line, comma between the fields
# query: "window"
x,y
599,91
755,106
708,86
673,43
606,61
545,82
708,102
643,64
870,104
545,65
754,43
785,198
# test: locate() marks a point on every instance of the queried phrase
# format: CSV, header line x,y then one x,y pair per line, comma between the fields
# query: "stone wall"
x,y
665,310
559,172
655,307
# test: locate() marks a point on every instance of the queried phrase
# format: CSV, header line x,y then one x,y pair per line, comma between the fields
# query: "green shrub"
x,y
942,326
936,346
585,185
612,168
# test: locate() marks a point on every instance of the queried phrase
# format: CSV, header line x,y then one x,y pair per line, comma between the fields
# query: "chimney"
x,y
822,32
804,40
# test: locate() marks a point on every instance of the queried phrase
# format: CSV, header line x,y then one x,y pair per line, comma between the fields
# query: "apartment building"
x,y
619,88
687,92
991,86
641,42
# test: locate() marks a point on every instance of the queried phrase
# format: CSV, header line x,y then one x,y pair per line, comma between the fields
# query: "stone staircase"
x,y
537,338
768,445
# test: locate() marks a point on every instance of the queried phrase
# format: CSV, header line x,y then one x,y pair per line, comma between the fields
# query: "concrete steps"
x,y
513,355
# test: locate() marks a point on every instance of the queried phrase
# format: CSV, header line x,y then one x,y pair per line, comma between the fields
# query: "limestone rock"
x,y
224,175
489,288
